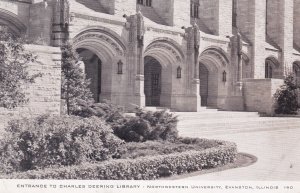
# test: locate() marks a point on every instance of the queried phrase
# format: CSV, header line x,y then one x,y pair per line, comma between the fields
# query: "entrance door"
x,y
155,88
152,82
203,76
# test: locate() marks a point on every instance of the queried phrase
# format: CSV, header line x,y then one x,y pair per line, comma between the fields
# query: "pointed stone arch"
x,y
165,50
11,21
110,49
213,65
161,59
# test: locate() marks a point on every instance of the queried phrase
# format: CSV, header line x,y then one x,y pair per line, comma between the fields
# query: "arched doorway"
x,y
162,59
213,81
102,50
93,71
153,80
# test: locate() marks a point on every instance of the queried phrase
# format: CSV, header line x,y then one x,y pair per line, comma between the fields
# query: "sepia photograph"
x,y
150,96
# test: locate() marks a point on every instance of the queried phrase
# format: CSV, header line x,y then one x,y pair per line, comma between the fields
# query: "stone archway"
x,y
101,51
213,78
161,59
11,22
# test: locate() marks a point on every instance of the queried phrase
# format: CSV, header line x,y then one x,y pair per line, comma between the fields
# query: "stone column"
x,y
192,36
235,99
136,49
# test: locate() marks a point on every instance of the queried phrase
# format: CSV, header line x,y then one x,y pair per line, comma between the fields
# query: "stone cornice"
x,y
94,18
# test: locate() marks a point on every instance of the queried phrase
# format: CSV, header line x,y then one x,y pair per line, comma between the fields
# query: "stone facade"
x,y
224,57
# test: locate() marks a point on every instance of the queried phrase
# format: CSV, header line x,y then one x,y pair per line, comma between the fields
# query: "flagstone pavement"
x,y
274,141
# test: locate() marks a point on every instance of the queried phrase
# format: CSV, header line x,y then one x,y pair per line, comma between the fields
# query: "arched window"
x,y
234,13
147,3
194,9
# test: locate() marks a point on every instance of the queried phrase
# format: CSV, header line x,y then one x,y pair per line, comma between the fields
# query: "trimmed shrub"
x,y
146,168
135,150
112,114
147,125
286,97
32,143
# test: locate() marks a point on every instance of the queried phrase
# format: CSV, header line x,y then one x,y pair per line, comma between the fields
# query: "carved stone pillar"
x,y
136,30
235,99
192,36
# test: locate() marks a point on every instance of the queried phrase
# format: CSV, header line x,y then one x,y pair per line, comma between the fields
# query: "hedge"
x,y
146,168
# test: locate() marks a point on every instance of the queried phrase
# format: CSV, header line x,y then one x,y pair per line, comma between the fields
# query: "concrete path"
x,y
274,141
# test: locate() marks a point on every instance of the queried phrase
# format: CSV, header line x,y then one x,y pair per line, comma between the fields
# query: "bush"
x,y
74,85
32,143
147,125
286,97
146,168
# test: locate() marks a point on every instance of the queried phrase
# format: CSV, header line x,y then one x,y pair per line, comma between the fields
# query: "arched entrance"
x,y
213,77
162,59
93,71
101,51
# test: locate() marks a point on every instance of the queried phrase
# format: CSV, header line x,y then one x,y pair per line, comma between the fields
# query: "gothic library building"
x,y
180,54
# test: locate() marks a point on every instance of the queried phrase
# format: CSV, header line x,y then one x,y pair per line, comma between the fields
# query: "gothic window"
x,y
194,10
266,19
234,13
147,3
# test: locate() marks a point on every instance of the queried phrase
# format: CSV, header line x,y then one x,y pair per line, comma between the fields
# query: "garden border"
x,y
145,168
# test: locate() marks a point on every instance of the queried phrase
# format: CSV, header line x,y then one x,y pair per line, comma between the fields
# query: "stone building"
x,y
179,54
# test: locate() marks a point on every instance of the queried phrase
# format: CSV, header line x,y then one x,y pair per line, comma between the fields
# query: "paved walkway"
x,y
277,150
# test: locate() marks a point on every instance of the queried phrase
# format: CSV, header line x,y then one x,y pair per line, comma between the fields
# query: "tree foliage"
x,y
75,86
286,97
14,62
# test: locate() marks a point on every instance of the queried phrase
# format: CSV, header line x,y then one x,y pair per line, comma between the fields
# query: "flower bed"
x,y
144,168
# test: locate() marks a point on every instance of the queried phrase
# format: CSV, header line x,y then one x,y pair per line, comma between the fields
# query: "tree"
x,y
286,97
75,86
14,61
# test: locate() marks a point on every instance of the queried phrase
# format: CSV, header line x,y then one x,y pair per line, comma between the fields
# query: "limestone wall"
x,y
44,94
259,94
